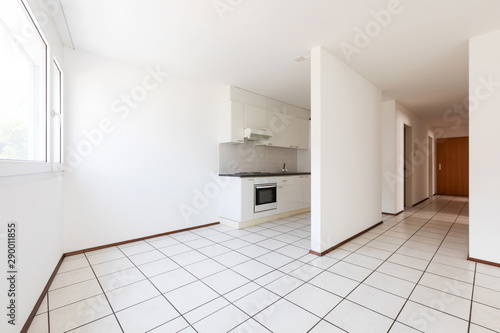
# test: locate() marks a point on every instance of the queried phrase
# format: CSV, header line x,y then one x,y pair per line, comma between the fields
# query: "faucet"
x,y
284,168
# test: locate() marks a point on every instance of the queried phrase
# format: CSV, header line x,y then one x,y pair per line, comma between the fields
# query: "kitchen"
x,y
264,157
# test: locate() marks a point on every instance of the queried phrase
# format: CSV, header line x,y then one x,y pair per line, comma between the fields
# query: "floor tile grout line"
x,y
224,295
103,293
384,261
72,284
293,259
373,270
344,298
250,243
229,268
300,260
430,261
180,266
200,280
106,296
472,297
250,281
161,294
396,264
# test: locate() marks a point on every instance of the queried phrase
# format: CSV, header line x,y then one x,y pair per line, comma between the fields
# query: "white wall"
x,y
484,140
394,117
346,151
158,160
389,165
452,132
35,202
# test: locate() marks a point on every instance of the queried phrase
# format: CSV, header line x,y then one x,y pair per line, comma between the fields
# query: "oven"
x,y
265,195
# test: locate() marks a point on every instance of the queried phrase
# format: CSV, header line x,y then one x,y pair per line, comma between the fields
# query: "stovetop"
x,y
262,174
253,173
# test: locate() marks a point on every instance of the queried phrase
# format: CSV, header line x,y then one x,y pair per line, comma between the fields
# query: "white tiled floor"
x,y
409,274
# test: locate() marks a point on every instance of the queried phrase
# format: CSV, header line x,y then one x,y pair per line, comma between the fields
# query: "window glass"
x,y
22,86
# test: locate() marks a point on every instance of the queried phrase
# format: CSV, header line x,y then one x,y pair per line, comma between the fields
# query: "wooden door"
x,y
453,166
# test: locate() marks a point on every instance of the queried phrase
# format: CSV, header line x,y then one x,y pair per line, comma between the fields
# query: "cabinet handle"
x,y
240,140
269,144
292,146
284,181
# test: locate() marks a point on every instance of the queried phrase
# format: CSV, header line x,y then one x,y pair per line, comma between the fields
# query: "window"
x,y
23,86
56,113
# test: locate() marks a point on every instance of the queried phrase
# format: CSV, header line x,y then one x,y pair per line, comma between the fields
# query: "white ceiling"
x,y
420,58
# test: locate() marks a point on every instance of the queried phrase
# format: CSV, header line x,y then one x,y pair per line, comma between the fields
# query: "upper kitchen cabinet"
x,y
301,133
288,124
281,126
231,122
288,131
254,117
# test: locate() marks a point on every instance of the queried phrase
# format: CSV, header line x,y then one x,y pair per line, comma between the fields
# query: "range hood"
x,y
253,134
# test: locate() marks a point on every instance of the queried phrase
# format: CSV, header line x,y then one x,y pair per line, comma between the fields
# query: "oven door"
x,y
265,197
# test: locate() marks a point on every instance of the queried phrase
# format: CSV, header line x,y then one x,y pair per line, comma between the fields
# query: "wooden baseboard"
x,y
418,203
137,239
392,214
33,313
490,263
320,254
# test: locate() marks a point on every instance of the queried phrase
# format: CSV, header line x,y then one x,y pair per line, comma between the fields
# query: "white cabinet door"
x,y
254,117
237,199
247,198
230,201
284,198
301,133
307,191
282,128
231,122
297,193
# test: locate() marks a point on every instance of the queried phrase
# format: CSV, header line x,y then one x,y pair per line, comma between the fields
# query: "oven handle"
x,y
266,186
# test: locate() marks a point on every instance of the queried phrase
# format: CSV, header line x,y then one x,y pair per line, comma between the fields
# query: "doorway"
x,y
453,166
408,165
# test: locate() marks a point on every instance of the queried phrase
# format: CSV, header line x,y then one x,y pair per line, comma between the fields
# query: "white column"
x,y
346,151
390,177
484,147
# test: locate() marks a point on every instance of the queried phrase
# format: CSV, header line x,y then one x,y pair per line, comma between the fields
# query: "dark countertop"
x,y
264,174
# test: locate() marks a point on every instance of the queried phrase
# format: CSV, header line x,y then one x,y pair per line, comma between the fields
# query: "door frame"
x,y
430,167
408,166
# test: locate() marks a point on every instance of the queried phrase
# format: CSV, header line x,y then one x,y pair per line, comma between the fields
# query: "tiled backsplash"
x,y
248,157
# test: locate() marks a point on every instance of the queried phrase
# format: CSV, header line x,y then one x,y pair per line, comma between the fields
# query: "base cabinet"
x,y
237,199
297,193
307,191
284,198
294,192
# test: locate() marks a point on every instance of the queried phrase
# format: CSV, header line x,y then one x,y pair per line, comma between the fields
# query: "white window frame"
x,y
16,168
56,166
